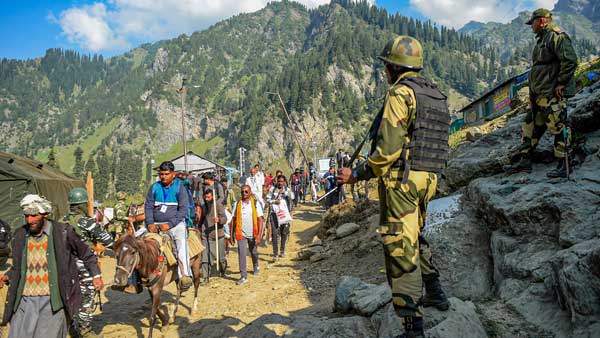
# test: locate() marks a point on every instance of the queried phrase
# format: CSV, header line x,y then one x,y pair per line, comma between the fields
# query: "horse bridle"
x,y
135,263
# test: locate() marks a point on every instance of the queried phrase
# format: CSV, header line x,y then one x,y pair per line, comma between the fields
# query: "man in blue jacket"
x,y
166,207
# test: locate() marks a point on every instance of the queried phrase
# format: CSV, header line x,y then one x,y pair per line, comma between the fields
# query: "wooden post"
x,y
89,186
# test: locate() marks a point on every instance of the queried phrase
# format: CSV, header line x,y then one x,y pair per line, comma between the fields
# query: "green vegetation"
x,y
322,61
199,147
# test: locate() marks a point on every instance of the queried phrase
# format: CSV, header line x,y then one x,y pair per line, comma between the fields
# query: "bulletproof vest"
x,y
428,149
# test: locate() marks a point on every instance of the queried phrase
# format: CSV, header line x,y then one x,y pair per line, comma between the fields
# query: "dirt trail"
x,y
224,307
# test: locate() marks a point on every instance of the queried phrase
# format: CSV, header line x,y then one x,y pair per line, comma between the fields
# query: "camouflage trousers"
x,y
402,210
544,114
83,319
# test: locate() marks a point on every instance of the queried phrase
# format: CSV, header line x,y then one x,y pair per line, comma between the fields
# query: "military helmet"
x,y
403,51
78,196
121,195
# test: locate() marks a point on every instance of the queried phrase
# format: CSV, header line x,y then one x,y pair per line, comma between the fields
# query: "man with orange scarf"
x,y
246,228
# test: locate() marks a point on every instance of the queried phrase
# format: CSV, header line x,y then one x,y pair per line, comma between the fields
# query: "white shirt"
x,y
256,183
247,221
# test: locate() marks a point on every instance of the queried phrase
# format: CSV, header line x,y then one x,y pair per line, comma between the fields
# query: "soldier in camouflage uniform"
x,y
409,147
119,224
550,83
92,232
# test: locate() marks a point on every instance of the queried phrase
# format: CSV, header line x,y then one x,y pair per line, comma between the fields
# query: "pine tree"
x,y
52,159
78,167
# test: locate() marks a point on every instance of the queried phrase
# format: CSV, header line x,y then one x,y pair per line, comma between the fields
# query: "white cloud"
x,y
87,27
113,25
456,13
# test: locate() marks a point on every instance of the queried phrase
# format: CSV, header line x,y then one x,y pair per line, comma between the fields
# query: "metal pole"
x,y
291,126
181,96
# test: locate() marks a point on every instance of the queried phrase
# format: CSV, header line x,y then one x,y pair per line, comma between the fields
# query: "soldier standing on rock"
x,y
550,84
409,147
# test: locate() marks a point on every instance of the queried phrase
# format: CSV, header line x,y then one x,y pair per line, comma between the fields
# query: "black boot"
x,y
560,171
413,327
434,295
523,164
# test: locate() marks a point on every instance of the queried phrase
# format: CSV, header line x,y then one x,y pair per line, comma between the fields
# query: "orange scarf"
x,y
238,219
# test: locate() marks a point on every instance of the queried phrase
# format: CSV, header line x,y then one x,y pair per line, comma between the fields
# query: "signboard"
x,y
502,100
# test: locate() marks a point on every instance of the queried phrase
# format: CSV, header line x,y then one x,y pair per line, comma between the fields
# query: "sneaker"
x,y
204,281
185,283
256,271
275,258
281,254
241,281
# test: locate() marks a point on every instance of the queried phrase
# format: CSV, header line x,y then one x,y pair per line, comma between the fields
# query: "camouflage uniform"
x,y
553,63
92,232
403,195
121,219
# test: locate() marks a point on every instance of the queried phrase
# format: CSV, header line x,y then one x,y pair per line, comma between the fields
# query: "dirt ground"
x,y
223,306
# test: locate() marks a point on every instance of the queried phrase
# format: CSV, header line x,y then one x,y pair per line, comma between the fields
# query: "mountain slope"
x,y
322,62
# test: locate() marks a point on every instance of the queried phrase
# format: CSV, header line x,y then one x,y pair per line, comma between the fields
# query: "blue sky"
x,y
110,27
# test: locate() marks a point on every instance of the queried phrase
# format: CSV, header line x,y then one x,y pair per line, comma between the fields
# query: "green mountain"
x,y
514,40
114,116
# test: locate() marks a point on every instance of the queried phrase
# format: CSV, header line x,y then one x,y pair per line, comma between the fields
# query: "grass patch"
x,y
198,146
64,155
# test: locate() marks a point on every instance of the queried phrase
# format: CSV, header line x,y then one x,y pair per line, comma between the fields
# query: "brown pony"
x,y
144,255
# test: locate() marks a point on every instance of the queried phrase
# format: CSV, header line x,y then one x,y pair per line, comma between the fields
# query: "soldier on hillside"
x,y
550,84
409,147
92,233
121,220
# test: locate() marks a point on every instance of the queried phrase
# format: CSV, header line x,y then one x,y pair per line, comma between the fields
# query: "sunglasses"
x,y
245,192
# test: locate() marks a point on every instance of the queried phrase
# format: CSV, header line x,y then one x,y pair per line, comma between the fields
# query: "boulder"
x,y
365,301
460,247
343,290
386,323
461,320
345,230
346,327
576,277
307,253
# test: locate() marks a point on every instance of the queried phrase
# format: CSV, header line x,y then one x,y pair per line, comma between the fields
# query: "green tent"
x,y
20,176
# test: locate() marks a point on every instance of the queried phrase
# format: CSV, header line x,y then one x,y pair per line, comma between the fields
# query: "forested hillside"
x,y
124,111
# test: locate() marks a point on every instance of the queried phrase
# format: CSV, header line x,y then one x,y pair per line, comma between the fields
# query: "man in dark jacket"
x,y
43,282
209,240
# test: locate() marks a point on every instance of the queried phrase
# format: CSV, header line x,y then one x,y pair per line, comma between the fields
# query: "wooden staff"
x,y
216,223
89,186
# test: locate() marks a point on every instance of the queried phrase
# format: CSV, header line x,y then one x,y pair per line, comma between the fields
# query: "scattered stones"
x,y
346,230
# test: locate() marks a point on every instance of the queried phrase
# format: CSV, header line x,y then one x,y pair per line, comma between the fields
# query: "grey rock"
x,y
460,247
386,323
461,320
344,327
161,60
365,301
347,229
320,256
343,290
309,252
576,273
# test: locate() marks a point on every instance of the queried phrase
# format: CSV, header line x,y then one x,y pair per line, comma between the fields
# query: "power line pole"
x,y
291,126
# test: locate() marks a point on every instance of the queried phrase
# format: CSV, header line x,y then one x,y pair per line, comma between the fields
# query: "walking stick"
x,y
566,136
216,226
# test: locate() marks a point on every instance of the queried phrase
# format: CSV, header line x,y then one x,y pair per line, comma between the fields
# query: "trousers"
x,y
179,235
403,207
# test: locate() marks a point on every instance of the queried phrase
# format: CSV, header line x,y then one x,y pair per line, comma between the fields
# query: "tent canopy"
x,y
20,176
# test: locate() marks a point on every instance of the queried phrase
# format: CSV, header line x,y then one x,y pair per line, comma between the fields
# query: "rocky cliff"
x,y
518,253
